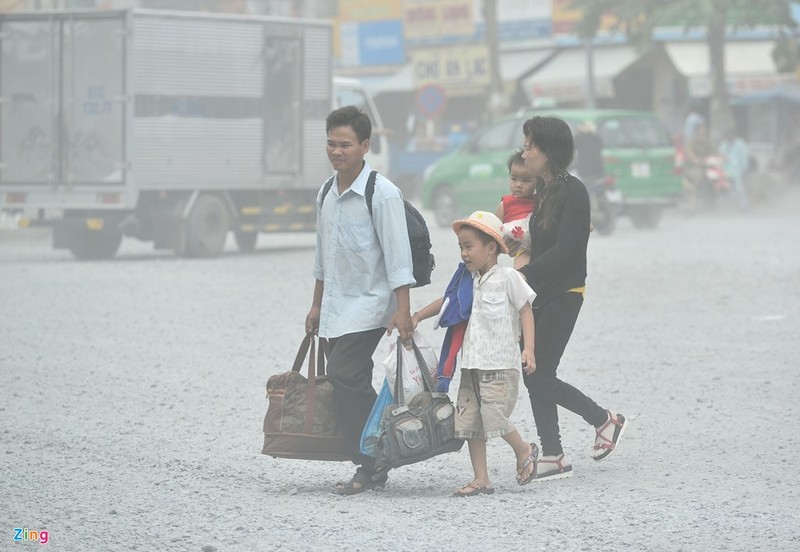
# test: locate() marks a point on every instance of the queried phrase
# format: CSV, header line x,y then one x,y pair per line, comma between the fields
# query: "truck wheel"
x,y
645,216
444,207
207,227
246,241
92,245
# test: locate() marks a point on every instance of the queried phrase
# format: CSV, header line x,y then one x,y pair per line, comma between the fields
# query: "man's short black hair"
x,y
353,117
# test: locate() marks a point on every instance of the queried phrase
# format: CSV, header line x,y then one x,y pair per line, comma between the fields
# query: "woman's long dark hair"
x,y
552,137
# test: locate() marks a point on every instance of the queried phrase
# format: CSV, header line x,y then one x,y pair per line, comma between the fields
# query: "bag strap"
x,y
302,352
427,383
311,390
316,367
322,355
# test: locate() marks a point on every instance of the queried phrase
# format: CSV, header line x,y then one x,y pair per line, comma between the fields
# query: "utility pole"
x,y
497,99
588,45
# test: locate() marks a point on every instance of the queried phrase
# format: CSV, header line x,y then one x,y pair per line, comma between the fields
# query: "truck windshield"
x,y
353,96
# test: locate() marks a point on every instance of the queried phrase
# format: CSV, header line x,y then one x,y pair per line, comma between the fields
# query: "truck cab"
x,y
350,91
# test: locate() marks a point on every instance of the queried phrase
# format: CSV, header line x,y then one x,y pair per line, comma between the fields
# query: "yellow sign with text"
x,y
565,18
432,20
453,67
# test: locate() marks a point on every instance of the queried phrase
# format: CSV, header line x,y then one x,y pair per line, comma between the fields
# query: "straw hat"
x,y
485,222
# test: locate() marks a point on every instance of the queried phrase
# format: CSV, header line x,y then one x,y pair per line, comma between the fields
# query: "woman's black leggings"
x,y
554,324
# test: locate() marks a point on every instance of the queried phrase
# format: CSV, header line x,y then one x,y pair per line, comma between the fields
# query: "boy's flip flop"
x,y
473,489
530,462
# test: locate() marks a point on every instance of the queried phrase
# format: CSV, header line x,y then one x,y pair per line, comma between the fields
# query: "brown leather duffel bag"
x,y
301,420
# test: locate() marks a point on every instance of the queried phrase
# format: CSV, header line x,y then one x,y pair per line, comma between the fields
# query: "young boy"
x,y
490,355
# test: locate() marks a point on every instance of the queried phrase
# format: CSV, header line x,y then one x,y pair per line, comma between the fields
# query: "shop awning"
x,y
515,64
564,77
400,81
691,58
786,93
748,65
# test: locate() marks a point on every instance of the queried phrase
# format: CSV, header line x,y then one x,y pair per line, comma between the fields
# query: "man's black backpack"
x,y
418,235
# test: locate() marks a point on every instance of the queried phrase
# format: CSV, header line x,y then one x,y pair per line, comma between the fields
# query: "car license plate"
x,y
640,170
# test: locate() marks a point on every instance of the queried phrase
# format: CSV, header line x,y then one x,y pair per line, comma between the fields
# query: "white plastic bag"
x,y
412,377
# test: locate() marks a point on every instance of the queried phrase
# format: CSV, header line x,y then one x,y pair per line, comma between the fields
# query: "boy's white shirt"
x,y
492,338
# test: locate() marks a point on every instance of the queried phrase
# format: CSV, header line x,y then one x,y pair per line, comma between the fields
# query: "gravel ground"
x,y
132,397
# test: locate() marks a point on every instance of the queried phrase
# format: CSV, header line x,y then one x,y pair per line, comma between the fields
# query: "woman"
x,y
559,230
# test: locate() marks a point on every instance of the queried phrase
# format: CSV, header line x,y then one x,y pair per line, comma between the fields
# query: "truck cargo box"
x,y
131,116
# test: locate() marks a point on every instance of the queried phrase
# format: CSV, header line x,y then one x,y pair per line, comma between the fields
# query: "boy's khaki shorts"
x,y
486,399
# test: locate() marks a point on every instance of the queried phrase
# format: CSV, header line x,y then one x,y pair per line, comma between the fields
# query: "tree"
x,y
638,18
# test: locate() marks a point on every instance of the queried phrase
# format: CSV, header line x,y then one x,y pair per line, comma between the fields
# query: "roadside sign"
x,y
431,100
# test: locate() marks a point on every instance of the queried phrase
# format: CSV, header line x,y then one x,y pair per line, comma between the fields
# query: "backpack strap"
x,y
326,188
369,191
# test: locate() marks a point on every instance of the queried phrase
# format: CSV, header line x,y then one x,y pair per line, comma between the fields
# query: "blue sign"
x,y
381,43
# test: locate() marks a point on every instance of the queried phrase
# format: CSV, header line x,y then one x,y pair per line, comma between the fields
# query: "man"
x,y
363,272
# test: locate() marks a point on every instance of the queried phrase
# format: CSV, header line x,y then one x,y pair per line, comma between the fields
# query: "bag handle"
x,y
324,353
316,366
427,383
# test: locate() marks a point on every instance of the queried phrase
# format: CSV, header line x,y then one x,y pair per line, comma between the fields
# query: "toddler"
x,y
515,210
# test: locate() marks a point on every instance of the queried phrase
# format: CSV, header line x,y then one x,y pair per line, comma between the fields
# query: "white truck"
x,y
174,127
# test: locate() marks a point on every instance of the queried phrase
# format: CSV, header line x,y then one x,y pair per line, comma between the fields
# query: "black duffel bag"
x,y
421,429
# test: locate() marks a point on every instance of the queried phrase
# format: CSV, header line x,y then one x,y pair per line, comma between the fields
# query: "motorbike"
x,y
605,203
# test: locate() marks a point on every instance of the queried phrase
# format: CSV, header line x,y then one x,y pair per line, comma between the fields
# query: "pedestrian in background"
x,y
363,273
736,157
559,230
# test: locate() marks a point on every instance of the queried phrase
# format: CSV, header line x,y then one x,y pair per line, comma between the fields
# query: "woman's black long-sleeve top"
x,y
558,254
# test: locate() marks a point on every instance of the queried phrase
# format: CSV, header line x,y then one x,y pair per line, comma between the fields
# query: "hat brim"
x,y
458,224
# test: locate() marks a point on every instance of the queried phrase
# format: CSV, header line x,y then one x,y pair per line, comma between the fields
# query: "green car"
x,y
637,152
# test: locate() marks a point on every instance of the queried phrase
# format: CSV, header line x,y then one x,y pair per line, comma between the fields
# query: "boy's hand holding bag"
x,y
412,369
